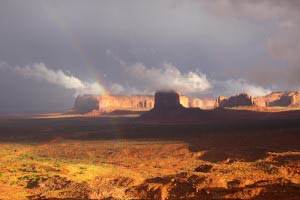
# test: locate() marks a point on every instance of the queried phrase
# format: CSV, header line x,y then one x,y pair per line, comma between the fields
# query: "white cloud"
x,y
168,77
116,88
233,87
40,72
148,80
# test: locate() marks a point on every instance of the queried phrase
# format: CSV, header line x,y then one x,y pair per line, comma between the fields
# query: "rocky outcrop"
x,y
282,99
184,101
177,186
219,101
242,99
108,103
165,100
202,103
85,104
168,108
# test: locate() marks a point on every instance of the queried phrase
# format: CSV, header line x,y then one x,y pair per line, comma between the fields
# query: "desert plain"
x,y
241,154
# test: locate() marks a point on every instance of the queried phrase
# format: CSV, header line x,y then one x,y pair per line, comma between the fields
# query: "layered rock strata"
x,y
108,103
167,100
242,99
282,99
202,103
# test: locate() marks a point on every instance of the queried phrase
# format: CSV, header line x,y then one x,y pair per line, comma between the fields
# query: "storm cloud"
x,y
168,76
209,47
283,44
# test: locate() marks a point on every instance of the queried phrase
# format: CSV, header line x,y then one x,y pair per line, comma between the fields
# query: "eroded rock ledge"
x,y
108,103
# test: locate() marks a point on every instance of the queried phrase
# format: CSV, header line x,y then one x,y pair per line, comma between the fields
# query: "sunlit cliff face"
x,y
108,103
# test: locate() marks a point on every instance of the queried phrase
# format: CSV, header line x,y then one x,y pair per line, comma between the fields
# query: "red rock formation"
x,y
219,101
86,103
107,103
184,101
168,107
202,103
167,100
279,99
242,99
282,99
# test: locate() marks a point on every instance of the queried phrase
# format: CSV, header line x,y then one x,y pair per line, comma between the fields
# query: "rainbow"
x,y
87,60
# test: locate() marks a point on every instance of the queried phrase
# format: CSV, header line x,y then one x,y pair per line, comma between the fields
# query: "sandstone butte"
x,y
167,106
108,103
290,99
167,100
242,99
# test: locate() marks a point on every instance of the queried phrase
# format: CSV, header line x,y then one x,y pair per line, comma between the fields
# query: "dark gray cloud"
x,y
225,41
282,43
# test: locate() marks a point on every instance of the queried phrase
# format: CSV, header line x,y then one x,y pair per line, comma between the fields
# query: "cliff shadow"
x,y
246,140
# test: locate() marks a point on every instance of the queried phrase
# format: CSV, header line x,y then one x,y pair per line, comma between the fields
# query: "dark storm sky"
x,y
51,51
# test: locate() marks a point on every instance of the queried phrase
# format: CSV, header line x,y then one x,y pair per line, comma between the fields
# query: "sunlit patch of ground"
x,y
94,163
39,116
86,161
98,158
266,109
127,114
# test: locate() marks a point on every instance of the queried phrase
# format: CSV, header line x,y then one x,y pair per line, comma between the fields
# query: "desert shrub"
x,y
266,167
57,163
82,170
204,168
30,180
233,184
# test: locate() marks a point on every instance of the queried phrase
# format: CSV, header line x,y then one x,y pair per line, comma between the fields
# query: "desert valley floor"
x,y
123,157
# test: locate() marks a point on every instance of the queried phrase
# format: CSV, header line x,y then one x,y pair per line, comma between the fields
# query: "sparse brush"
x,y
266,167
57,164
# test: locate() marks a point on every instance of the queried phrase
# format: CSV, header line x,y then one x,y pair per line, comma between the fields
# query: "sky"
x,y
53,51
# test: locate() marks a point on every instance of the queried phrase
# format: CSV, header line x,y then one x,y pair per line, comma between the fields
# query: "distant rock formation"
x,y
202,103
97,104
165,100
219,101
85,104
282,99
242,99
108,103
184,101
168,108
